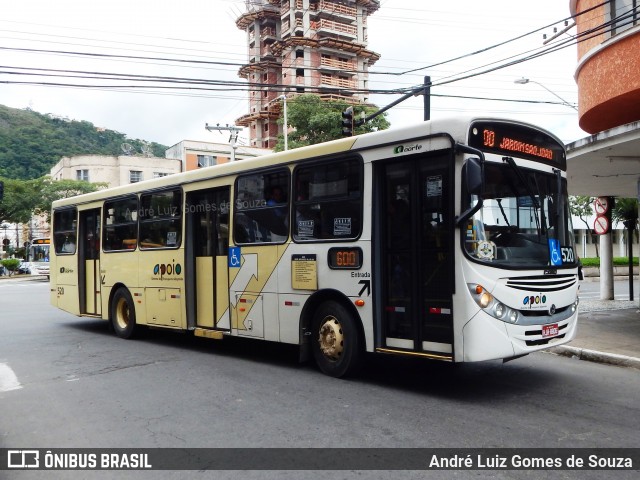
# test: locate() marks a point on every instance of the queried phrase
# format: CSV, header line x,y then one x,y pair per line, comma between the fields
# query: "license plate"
x,y
550,330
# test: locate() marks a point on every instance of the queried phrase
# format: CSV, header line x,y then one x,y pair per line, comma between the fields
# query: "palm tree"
x,y
626,211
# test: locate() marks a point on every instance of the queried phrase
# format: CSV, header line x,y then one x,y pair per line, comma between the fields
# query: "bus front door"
x,y
89,263
207,245
416,250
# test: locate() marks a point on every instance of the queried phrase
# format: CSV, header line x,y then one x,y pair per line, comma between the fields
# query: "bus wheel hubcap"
x,y
331,339
122,313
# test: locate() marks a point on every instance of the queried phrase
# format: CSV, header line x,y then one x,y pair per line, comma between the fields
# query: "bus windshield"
x,y
39,253
524,221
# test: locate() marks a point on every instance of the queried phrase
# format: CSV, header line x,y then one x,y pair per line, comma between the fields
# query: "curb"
x,y
22,278
596,356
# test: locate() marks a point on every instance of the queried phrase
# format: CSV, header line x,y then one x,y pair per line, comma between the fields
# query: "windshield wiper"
x,y
520,176
525,184
504,215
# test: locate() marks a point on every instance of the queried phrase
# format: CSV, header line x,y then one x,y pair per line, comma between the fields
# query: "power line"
x,y
106,55
596,31
241,86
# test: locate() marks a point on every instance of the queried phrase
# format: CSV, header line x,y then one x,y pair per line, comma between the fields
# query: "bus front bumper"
x,y
486,338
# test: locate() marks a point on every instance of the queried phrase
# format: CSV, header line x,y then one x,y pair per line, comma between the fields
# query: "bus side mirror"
x,y
474,176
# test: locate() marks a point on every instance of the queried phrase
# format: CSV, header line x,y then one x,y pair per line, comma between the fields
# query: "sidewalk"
x,y
608,332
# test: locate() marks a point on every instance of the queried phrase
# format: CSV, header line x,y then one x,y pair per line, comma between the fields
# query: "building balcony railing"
x,y
331,26
284,9
262,52
286,26
328,80
267,32
255,12
335,63
337,8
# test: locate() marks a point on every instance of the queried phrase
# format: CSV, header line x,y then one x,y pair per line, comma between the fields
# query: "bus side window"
x,y
65,230
161,219
120,224
328,200
261,213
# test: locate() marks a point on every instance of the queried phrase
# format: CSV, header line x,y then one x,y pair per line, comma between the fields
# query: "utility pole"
x,y
424,89
427,98
233,137
285,125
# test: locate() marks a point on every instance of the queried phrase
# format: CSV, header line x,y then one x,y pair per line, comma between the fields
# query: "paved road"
x,y
77,385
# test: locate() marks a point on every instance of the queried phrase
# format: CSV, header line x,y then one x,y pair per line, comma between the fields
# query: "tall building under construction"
x,y
303,46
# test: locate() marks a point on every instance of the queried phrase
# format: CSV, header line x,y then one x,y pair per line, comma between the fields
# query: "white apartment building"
x,y
114,170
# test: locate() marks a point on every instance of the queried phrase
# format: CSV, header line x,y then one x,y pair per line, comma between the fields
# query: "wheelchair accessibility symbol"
x,y
554,252
234,257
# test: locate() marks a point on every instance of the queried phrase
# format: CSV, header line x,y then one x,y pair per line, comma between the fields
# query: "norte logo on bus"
x,y
163,269
407,148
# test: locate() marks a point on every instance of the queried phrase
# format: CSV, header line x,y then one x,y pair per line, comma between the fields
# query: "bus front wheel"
x,y
123,314
336,342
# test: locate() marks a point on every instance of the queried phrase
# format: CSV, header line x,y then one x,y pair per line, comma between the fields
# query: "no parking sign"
x,y
602,207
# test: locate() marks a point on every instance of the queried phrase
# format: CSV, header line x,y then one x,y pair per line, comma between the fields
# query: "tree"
x,y
24,198
582,207
626,211
20,198
313,121
11,264
51,190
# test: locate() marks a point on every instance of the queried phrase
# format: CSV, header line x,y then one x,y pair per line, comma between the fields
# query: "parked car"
x,y
24,267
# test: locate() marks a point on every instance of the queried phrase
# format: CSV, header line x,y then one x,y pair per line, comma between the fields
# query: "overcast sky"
x,y
408,34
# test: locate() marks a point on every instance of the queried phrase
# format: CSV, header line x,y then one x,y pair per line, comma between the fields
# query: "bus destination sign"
x,y
518,141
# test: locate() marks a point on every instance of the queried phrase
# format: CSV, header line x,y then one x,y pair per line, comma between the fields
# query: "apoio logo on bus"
x,y
535,301
163,269
407,148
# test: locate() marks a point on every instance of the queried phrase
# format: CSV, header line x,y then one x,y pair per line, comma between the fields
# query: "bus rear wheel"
x,y
336,341
123,314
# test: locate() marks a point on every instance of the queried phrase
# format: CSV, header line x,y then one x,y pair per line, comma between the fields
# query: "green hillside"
x,y
31,143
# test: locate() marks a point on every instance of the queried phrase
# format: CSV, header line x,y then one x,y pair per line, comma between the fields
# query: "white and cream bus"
x,y
38,256
447,240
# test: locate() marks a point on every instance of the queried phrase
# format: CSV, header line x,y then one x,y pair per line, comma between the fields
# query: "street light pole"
x,y
233,138
523,81
285,127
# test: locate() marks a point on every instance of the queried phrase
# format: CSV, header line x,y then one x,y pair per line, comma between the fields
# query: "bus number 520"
x,y
567,255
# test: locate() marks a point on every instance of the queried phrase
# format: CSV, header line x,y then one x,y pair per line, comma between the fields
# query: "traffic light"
x,y
347,122
1,190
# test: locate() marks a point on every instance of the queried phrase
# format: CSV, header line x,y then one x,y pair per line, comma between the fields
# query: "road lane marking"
x,y
8,379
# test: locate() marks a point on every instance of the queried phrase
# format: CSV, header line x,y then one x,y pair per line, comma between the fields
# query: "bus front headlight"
x,y
487,302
